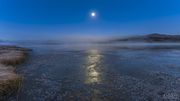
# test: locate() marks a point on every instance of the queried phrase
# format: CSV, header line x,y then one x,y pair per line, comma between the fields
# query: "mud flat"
x,y
10,56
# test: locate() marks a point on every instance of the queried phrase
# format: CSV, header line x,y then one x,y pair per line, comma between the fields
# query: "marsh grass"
x,y
12,58
10,86
10,82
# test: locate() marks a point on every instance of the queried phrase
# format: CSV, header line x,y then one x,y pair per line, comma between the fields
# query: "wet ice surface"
x,y
100,73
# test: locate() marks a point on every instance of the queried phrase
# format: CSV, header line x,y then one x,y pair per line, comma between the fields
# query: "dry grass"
x,y
12,57
9,80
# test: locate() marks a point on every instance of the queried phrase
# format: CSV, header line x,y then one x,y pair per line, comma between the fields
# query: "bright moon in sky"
x,y
93,14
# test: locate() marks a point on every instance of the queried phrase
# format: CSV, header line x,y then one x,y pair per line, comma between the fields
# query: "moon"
x,y
93,14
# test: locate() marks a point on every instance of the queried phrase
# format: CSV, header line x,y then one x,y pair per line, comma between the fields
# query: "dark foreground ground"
x,y
100,74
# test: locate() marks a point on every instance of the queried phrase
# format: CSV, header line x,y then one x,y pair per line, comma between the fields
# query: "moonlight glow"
x,y
93,14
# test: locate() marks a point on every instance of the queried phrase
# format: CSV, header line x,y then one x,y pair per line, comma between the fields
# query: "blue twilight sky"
x,y
55,19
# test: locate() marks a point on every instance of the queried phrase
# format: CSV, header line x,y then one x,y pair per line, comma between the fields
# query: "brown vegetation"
x,y
9,80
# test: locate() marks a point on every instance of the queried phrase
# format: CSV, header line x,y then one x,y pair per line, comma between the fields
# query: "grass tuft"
x,y
10,82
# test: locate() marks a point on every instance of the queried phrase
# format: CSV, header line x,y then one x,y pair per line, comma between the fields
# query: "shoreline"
x,y
10,81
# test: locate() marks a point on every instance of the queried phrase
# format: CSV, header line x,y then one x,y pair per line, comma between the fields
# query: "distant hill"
x,y
155,37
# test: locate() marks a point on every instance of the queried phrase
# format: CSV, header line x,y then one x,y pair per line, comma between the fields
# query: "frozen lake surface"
x,y
100,72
